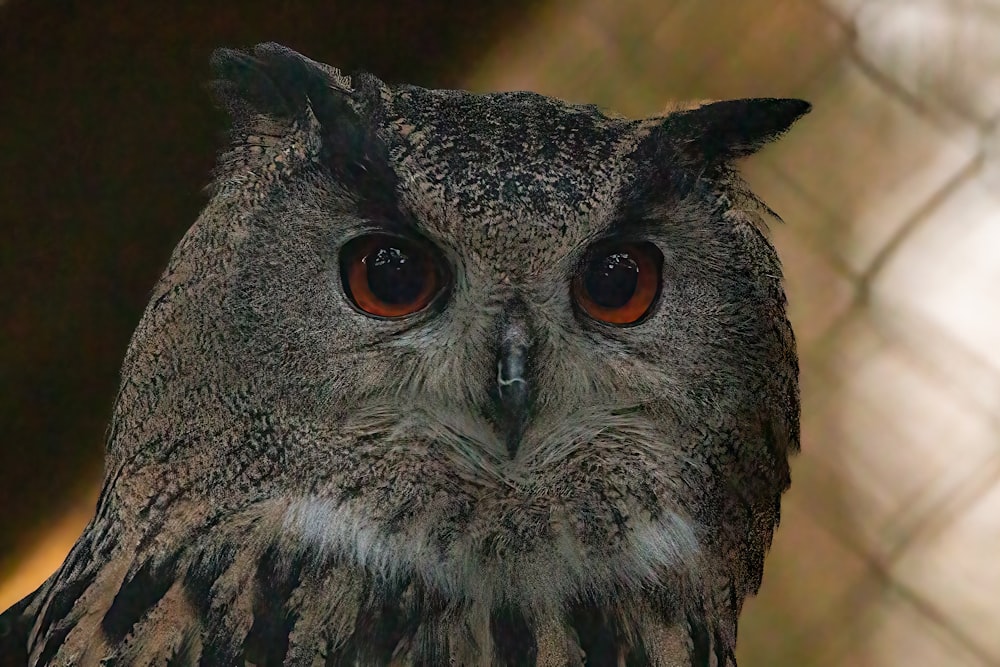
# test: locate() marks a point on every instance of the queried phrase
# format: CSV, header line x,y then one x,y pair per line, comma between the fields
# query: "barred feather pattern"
x,y
204,584
300,611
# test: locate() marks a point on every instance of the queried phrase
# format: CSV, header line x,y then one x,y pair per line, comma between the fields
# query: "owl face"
x,y
508,345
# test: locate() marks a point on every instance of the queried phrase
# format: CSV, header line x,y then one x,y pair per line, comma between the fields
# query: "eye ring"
x,y
619,282
388,277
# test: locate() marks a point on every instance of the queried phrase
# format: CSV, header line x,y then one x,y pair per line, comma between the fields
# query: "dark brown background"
x,y
107,136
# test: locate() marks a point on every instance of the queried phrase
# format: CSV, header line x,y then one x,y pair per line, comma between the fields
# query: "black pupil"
x,y
611,280
394,276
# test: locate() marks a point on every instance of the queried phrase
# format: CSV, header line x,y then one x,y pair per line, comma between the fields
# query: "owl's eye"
x,y
389,276
619,282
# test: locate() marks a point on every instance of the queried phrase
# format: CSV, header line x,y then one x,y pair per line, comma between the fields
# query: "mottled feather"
x,y
289,481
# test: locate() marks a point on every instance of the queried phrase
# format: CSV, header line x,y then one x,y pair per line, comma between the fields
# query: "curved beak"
x,y
513,389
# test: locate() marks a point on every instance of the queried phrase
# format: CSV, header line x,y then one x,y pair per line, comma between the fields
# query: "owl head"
x,y
509,346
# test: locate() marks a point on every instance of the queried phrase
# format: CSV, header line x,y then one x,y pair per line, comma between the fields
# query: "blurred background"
x,y
889,548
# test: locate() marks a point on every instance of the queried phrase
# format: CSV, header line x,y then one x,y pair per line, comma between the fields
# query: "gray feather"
x,y
292,481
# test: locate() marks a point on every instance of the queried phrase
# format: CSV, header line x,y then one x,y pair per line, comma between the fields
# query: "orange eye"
x,y
389,276
619,282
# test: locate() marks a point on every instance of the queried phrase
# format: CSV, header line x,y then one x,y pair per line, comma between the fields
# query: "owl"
x,y
442,378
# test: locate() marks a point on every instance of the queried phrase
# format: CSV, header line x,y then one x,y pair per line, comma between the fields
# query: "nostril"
x,y
511,369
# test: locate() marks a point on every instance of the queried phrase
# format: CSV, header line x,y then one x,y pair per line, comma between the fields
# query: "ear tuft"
x,y
271,91
272,80
723,131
